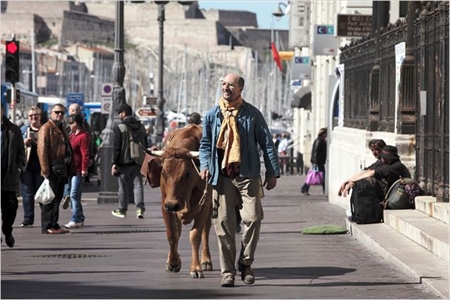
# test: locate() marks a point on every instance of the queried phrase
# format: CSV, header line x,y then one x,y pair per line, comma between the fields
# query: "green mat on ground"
x,y
324,229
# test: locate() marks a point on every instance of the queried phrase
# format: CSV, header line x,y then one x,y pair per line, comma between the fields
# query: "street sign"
x,y
301,67
107,89
353,25
325,42
107,105
75,98
145,112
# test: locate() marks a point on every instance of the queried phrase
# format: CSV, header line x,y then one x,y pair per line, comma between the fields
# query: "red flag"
x,y
276,57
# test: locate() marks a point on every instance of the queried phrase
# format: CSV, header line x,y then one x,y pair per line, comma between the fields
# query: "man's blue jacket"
x,y
254,135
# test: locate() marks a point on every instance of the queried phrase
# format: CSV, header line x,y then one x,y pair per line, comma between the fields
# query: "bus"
x,y
26,99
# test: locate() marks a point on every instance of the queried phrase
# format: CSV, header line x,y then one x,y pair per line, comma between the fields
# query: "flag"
x,y
276,56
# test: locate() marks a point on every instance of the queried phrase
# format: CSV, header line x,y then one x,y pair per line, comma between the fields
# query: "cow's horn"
x,y
194,153
156,152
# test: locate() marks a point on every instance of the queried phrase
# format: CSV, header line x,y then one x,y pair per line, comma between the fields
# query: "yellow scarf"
x,y
228,139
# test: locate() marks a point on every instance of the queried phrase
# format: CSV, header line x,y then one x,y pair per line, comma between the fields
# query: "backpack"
x,y
365,201
402,193
136,152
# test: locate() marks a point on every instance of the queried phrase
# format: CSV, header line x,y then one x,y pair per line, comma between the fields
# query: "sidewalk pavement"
x,y
112,258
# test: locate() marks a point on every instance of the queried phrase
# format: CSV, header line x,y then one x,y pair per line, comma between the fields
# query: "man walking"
x,y
13,163
233,133
56,160
125,167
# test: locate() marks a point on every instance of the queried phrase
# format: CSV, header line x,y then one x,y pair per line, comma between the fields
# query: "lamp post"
x,y
160,101
108,184
278,14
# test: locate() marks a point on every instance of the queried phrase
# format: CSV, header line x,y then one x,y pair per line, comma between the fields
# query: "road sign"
x,y
353,25
107,89
75,98
107,105
145,112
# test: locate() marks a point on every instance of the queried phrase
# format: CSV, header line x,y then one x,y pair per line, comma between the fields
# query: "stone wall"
x,y
21,25
85,28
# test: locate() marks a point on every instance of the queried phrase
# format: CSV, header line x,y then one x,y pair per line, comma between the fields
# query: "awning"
x,y
302,98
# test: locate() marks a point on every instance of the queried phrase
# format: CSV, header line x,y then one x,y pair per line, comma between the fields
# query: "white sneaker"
x,y
73,225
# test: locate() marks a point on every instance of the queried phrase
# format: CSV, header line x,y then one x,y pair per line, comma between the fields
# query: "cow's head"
x,y
180,182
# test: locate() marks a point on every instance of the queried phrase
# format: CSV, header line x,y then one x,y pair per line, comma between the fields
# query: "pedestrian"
x,y
195,118
318,158
31,178
233,132
284,143
56,160
79,141
13,163
124,167
75,109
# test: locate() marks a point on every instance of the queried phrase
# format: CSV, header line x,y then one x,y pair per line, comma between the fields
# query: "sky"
x,y
262,8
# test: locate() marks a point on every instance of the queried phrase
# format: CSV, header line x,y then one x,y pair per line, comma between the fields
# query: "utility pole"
x,y
108,183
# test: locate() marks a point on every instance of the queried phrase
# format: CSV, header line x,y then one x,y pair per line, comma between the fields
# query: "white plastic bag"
x,y
45,193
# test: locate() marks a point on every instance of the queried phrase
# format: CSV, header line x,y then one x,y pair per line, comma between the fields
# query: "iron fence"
x,y
423,110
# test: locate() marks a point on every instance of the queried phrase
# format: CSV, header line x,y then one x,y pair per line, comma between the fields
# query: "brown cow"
x,y
185,197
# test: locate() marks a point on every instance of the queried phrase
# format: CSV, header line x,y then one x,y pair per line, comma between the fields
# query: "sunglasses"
x,y
59,112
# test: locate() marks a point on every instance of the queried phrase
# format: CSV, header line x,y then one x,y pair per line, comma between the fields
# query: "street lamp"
x,y
108,184
160,101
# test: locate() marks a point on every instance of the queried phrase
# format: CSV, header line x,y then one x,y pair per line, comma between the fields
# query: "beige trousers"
x,y
226,195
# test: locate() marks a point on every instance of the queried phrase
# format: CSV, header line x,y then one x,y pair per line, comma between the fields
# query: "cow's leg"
x,y
196,236
206,255
173,232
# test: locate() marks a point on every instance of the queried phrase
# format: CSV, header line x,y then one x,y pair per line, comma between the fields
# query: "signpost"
x,y
107,101
353,25
146,112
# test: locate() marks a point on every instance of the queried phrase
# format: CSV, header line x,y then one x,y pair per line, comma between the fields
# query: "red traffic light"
x,y
12,65
12,47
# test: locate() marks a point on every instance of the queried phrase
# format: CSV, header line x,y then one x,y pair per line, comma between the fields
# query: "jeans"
x,y
129,177
30,183
76,184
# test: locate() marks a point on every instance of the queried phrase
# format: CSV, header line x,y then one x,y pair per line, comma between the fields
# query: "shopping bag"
x,y
314,176
45,193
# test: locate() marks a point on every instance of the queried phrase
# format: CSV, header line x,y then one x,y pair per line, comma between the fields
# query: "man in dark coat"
x,y
13,163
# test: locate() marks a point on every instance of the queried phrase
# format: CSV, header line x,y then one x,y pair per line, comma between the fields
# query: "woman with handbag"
x,y
318,159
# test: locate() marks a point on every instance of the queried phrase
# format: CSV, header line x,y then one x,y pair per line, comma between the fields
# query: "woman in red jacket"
x,y
79,141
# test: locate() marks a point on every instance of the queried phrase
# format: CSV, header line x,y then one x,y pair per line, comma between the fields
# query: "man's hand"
x,y
204,174
84,173
348,186
270,182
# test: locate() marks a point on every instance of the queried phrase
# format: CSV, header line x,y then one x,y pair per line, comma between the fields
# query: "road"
x,y
112,258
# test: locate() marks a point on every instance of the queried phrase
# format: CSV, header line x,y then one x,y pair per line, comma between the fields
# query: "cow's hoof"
x,y
175,269
197,274
207,266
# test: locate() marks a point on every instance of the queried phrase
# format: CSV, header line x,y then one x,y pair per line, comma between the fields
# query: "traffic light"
x,y
12,61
